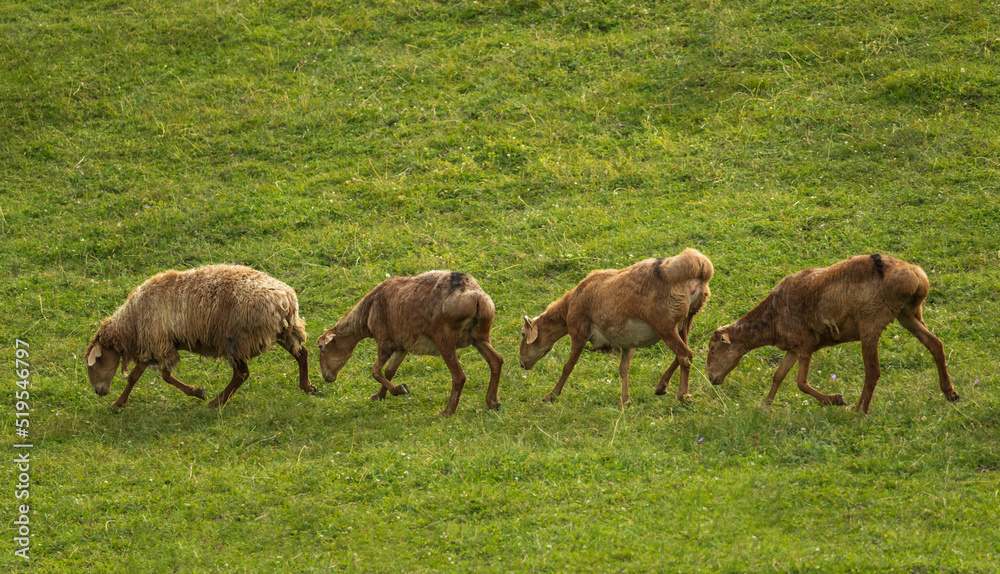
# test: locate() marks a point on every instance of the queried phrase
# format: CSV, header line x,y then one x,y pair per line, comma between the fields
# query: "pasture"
x,y
333,144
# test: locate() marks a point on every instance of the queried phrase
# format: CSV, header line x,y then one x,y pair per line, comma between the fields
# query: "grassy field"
x,y
333,144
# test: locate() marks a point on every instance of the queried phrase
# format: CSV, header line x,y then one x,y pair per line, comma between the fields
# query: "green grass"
x,y
331,144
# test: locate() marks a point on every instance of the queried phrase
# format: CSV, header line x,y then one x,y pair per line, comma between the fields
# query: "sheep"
x,y
226,311
433,313
625,309
853,300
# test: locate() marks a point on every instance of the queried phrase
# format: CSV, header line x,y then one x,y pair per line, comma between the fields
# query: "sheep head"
x,y
334,352
102,362
723,355
536,341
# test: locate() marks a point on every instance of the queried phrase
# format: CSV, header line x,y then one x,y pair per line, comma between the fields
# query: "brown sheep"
x,y
853,300
434,313
226,311
625,309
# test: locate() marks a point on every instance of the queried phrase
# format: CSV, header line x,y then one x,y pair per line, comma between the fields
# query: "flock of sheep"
x,y
238,313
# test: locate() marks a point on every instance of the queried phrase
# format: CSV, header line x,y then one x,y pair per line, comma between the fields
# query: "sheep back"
x,y
402,307
684,276
865,285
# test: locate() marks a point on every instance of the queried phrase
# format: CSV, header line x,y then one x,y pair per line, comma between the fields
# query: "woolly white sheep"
x,y
226,311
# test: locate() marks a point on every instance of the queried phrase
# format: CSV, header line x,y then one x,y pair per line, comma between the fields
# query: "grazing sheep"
x,y
434,313
853,300
625,309
218,311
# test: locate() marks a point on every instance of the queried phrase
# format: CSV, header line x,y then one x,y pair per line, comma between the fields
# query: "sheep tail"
x,y
907,284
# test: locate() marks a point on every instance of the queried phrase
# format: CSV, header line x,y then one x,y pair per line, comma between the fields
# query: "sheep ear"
x,y
530,331
326,338
94,354
725,337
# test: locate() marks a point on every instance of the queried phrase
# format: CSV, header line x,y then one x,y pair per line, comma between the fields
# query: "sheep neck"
x,y
756,328
118,332
354,325
557,315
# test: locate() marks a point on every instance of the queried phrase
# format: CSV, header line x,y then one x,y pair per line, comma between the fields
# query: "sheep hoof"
x,y
200,393
400,390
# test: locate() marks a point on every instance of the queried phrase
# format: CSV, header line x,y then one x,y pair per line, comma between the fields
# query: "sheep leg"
x,y
457,378
869,354
575,349
390,372
802,379
495,361
186,389
395,390
241,372
623,372
680,348
133,378
786,365
303,360
661,387
913,322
